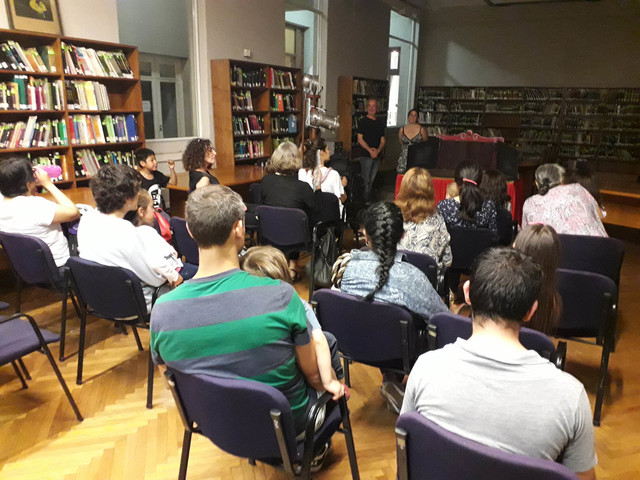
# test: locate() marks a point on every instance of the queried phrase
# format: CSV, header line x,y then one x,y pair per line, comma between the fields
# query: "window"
x,y
403,53
294,45
309,21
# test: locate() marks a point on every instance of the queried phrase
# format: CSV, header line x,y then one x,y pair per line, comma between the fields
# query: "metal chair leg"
x,y
19,375
347,376
150,381
184,458
348,437
63,319
18,294
604,371
83,328
23,367
137,337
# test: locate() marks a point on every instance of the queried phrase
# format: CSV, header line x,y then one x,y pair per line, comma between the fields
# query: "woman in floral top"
x,y
424,228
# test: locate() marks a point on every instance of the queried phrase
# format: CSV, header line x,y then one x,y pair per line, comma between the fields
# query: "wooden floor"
x,y
120,439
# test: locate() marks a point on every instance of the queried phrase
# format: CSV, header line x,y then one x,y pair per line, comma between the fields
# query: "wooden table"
x,y
621,197
77,195
238,179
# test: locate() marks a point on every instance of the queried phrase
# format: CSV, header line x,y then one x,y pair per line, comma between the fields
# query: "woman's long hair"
x,y
383,224
468,177
541,243
494,188
416,197
311,149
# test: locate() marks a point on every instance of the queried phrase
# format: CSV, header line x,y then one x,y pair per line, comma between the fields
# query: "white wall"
x,y
571,44
305,18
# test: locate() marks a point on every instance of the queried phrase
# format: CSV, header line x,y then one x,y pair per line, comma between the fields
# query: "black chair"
x,y
446,328
112,293
378,334
589,310
253,420
425,263
425,451
255,193
32,263
507,226
184,243
19,338
603,255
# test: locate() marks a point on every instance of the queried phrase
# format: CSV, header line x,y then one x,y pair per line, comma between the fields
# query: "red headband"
x,y
469,181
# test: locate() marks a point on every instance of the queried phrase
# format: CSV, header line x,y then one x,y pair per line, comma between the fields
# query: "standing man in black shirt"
x,y
151,179
371,139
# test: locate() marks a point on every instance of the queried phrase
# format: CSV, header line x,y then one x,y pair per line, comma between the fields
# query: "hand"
x,y
336,388
177,282
172,164
344,181
374,153
42,177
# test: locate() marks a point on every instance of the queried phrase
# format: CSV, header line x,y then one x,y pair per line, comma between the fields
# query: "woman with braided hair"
x,y
380,274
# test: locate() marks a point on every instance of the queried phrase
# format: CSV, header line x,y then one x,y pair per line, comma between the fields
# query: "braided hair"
x,y
383,225
468,177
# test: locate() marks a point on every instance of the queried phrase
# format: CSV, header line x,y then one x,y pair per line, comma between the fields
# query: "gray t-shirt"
x,y
518,403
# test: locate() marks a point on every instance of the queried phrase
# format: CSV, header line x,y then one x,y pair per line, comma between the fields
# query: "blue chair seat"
x,y
18,339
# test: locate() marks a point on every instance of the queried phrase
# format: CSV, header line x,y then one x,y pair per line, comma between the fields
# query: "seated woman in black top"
x,y
197,158
281,188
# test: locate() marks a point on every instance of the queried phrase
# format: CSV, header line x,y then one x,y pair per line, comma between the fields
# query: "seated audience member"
x,y
542,244
494,187
151,179
380,274
569,209
226,322
585,177
424,228
197,159
490,389
105,237
314,171
453,191
268,261
23,212
159,252
473,210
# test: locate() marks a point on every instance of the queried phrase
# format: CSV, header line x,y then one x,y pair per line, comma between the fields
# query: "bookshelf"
x,y
352,106
548,124
255,107
52,112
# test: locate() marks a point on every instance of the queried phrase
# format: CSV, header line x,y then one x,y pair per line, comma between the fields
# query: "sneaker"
x,y
394,396
318,460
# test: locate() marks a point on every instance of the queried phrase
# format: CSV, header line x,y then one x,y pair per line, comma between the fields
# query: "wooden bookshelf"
x,y
125,98
352,106
549,124
274,113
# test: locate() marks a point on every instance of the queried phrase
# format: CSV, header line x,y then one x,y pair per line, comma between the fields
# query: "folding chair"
x,y
185,245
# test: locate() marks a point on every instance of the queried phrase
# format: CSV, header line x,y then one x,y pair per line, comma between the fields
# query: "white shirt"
x,y
331,182
159,254
32,215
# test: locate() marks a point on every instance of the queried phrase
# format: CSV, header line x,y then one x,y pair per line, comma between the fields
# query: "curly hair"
x,y
468,176
195,153
113,185
548,176
494,187
416,197
311,149
383,225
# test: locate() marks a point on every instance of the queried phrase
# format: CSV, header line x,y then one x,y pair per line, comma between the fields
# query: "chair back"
x,y
588,304
601,255
30,258
255,193
185,244
468,243
505,226
234,414
109,292
330,208
284,228
367,332
426,450
423,262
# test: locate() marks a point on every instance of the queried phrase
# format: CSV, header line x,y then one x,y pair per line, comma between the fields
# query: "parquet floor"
x,y
120,439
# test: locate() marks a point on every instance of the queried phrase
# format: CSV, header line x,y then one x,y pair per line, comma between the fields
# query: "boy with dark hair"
x,y
151,179
492,390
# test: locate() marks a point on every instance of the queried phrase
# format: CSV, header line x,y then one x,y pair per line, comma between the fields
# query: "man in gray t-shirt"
x,y
492,390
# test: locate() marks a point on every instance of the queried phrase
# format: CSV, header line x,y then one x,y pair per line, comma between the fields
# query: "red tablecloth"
x,y
514,190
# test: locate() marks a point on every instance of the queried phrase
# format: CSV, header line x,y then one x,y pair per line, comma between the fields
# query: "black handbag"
x,y
326,255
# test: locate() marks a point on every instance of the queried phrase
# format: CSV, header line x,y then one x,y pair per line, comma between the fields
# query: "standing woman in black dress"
x,y
197,158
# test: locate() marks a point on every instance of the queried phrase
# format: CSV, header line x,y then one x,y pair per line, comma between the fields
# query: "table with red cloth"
x,y
515,190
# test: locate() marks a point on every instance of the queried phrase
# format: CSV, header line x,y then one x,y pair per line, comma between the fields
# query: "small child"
x,y
452,190
160,254
267,261
151,179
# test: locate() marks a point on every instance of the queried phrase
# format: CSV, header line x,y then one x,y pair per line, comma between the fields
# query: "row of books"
x,y
282,102
28,93
86,95
283,124
278,140
90,129
248,149
280,79
99,63
361,103
32,133
241,101
88,161
47,161
14,57
248,125
376,88
251,78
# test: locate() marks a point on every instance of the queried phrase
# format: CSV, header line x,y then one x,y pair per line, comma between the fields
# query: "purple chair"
x,y
33,264
379,334
446,328
425,451
507,227
603,255
426,264
589,310
19,338
112,293
253,420
185,245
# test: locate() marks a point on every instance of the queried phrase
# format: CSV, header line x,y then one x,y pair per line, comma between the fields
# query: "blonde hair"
x,y
285,160
416,197
452,190
144,199
266,261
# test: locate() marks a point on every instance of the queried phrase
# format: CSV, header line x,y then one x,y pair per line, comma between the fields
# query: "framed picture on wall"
x,y
34,15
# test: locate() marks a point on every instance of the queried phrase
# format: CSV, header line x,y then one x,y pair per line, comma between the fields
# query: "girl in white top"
x,y
313,171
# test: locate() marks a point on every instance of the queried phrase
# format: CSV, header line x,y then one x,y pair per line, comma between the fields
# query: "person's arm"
x,y
400,135
66,211
173,178
380,147
203,182
420,296
308,364
364,145
588,475
423,133
323,357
